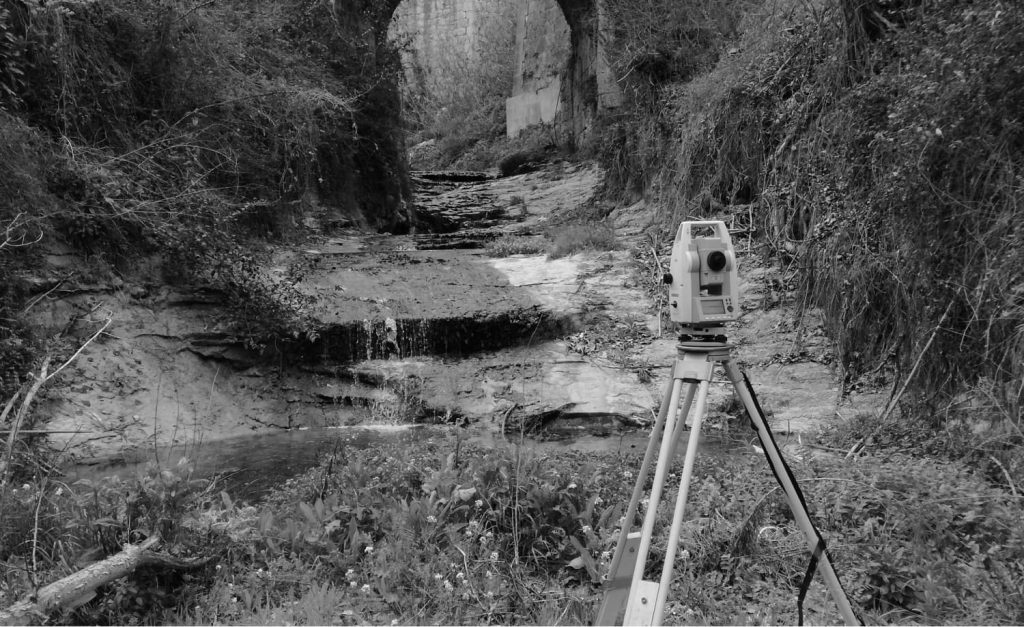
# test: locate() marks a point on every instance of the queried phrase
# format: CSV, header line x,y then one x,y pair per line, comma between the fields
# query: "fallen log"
x,y
69,591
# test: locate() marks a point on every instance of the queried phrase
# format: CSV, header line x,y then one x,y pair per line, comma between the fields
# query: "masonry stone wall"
x,y
559,68
441,33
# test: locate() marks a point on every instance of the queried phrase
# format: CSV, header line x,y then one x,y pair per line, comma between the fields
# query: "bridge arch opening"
x,y
485,63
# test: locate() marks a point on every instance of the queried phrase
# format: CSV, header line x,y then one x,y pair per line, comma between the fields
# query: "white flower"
x,y
586,529
352,584
479,503
460,575
571,486
685,554
494,556
488,574
606,555
350,574
366,587
448,585
368,550
628,474
598,501
431,519
437,576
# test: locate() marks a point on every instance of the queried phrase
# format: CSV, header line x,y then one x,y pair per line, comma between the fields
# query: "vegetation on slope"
x,y
879,147
130,128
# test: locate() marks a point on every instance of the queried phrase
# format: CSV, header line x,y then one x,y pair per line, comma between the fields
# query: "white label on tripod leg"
x,y
640,609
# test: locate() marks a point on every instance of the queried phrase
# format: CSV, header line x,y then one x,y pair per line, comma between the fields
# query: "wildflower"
x,y
350,574
352,584
685,554
598,501
628,474
366,587
479,503
489,574
571,486
437,576
448,585
494,556
368,550
606,555
432,519
490,595
460,575
586,529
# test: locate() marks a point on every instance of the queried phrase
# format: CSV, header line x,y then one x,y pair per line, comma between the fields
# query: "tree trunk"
x,y
63,593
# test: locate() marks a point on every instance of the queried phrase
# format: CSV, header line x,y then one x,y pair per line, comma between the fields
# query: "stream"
x,y
239,465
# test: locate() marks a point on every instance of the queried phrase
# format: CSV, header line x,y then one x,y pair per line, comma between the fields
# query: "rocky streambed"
x,y
430,326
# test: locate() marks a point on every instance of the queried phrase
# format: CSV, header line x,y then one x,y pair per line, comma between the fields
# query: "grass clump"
x,y
508,245
573,238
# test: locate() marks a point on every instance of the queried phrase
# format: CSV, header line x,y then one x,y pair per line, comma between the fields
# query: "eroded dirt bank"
x,y
432,326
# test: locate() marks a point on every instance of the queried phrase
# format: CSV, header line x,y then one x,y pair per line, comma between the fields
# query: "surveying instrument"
x,y
703,296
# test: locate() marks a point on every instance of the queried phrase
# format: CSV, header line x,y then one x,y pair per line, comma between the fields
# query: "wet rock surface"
x,y
429,326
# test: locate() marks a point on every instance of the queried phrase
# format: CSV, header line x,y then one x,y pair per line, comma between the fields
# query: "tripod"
x,y
629,599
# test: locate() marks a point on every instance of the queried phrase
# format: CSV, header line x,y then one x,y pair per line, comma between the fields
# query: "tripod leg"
x,y
684,488
793,495
684,411
636,598
618,584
